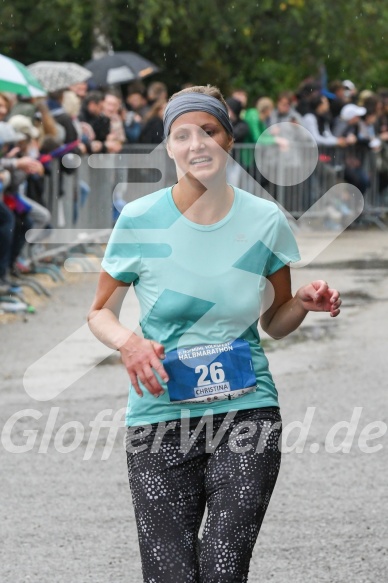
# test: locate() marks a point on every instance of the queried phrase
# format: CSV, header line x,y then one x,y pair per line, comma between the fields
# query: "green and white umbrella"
x,y
16,78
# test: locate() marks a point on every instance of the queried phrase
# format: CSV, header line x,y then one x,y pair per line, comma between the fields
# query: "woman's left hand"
x,y
318,297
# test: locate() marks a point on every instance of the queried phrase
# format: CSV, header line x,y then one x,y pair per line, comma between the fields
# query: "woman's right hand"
x,y
141,358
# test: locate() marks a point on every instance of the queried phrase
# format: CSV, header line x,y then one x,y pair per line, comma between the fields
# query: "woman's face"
x,y
198,143
111,105
3,108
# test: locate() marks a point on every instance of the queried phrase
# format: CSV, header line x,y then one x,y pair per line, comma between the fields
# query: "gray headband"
x,y
195,102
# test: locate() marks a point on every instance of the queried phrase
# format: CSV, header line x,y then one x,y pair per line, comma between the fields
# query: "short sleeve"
x,y
284,249
122,258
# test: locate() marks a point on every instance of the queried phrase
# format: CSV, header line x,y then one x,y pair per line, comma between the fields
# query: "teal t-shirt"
x,y
199,284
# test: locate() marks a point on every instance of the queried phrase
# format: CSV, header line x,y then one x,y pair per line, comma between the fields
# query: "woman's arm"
x,y
311,124
287,312
141,357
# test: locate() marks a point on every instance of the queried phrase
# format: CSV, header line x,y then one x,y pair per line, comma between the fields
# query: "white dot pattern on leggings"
x,y
170,490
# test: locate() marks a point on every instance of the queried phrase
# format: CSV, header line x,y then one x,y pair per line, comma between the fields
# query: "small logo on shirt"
x,y
240,238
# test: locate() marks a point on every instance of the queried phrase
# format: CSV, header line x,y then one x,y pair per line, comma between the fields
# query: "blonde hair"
x,y
209,90
71,103
264,103
364,95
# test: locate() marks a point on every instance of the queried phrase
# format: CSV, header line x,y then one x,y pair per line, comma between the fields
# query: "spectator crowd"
x,y
35,131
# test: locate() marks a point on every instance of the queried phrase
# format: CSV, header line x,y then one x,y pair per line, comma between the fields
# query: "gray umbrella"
x,y
58,75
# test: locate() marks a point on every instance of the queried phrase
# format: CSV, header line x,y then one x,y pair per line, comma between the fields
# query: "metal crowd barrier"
x,y
85,201
91,196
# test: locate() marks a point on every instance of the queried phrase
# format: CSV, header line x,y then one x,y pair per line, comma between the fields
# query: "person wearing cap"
x,y
350,90
347,127
349,117
8,161
39,217
200,255
24,125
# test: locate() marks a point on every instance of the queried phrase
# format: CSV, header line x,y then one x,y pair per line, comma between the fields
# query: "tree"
x,y
264,46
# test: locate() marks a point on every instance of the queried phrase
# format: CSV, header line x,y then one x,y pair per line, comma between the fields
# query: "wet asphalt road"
x,y
67,516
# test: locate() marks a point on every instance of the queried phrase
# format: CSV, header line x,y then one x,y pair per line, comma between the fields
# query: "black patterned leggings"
x,y
177,468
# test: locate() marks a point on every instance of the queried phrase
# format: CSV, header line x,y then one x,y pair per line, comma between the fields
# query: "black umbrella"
x,y
120,67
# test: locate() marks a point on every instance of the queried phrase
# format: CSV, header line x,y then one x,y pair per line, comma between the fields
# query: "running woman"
x,y
203,412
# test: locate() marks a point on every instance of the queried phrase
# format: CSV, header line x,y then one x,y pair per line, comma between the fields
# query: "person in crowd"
x,y
367,126
308,90
5,106
7,226
132,126
336,103
88,143
242,96
112,108
19,164
157,93
366,96
92,114
21,183
240,127
285,110
382,121
8,159
258,120
136,99
135,107
347,128
67,132
24,105
138,109
347,123
72,106
350,91
382,134
317,122
37,110
80,89
152,131
240,133
200,338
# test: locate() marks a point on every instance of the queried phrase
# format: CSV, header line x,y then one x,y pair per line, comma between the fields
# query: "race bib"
x,y
210,372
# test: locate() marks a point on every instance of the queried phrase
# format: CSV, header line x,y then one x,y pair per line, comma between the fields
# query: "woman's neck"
x,y
200,204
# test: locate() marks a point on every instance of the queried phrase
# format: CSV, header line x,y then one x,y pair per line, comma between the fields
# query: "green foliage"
x,y
264,46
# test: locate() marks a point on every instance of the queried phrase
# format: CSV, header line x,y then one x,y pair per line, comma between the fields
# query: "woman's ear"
x,y
230,144
169,152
